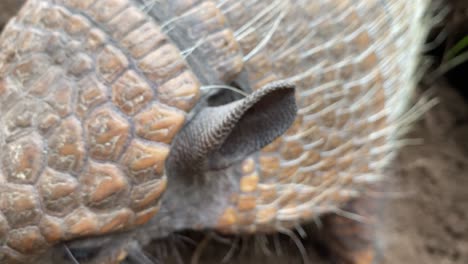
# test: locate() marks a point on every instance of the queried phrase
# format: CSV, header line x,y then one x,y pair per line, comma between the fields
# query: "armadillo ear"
x,y
222,135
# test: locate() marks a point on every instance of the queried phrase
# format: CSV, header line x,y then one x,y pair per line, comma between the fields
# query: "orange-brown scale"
x,y
307,171
328,148
208,40
71,165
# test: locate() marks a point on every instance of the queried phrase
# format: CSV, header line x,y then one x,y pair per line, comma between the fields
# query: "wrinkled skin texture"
x,y
80,83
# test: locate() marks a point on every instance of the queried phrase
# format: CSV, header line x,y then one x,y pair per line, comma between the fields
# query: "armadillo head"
x,y
110,135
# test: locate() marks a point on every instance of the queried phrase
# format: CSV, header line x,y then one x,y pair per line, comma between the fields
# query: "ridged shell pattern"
x,y
354,65
91,95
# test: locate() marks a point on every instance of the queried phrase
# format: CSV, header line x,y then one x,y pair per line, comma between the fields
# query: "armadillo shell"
x,y
353,64
91,95
93,91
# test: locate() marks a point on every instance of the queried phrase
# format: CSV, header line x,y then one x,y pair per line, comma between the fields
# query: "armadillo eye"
x,y
240,86
223,96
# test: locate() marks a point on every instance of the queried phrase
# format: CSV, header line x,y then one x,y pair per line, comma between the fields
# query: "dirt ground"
x,y
426,221
7,8
425,218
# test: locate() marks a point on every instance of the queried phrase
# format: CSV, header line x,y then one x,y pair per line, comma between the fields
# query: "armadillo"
x,y
123,121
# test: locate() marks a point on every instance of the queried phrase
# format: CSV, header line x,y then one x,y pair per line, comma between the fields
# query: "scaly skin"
x,y
92,93
85,131
359,71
